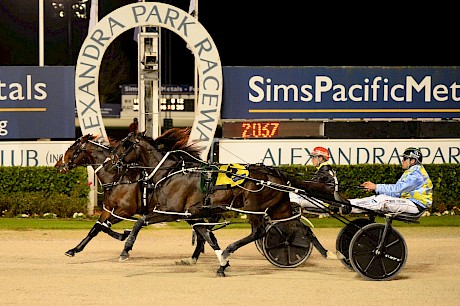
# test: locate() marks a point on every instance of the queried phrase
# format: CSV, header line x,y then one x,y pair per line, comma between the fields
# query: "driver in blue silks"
x,y
412,193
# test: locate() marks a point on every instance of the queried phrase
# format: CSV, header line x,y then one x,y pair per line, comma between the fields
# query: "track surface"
x,y
35,271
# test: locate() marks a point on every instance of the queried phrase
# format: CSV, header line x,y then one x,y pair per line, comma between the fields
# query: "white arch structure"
x,y
151,14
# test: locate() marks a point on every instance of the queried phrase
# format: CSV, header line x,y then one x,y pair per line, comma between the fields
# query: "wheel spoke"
x,y
285,245
375,263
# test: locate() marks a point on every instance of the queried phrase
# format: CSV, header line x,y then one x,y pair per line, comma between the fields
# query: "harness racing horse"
x,y
122,196
179,193
121,191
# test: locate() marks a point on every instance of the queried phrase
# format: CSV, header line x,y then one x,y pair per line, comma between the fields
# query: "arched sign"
x,y
151,14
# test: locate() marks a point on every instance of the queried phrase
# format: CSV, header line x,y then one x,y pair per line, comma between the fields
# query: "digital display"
x,y
259,129
177,104
271,129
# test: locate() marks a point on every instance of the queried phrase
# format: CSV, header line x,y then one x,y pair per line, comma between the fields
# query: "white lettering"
x,y
343,152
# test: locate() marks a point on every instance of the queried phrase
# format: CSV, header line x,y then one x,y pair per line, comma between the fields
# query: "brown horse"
x,y
122,186
121,191
181,192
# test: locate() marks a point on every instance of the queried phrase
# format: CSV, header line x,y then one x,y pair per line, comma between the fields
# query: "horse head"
x,y
81,153
126,151
67,161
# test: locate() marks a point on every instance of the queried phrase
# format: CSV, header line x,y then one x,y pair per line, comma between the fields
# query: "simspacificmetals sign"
x,y
341,92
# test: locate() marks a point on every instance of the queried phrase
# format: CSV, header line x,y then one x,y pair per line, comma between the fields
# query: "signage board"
x,y
32,153
340,92
276,152
37,102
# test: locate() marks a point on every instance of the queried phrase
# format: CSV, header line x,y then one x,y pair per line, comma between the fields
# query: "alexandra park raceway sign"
x,y
160,15
276,152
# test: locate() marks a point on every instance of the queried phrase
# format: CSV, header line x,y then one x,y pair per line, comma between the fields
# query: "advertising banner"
x,y
37,102
277,152
32,153
341,92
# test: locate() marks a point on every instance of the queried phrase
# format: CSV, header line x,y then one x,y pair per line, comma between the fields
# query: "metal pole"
x,y
140,81
41,44
69,32
156,122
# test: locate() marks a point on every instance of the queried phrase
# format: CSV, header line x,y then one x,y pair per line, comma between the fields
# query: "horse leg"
x,y
204,235
106,229
211,239
256,233
200,242
325,253
312,238
131,239
97,227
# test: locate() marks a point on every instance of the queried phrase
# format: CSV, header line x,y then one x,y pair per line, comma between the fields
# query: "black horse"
x,y
181,191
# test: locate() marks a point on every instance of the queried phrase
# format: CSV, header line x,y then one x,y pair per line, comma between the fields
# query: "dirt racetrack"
x,y
35,271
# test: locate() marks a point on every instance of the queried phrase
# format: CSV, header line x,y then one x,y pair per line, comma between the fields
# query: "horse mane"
x,y
175,139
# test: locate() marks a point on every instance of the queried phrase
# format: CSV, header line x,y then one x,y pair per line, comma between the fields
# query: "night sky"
x,y
257,33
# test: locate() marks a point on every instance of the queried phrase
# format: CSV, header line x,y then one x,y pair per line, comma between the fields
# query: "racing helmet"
x,y
320,151
414,153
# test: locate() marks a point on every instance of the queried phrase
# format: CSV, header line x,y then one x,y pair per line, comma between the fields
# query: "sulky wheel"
x,y
286,244
374,264
260,245
260,242
344,238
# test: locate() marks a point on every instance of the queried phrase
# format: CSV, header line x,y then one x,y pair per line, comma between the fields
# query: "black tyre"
x,y
371,264
344,238
286,244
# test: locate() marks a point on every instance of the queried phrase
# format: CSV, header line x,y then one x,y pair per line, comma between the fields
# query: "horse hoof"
x,y
124,256
70,253
220,274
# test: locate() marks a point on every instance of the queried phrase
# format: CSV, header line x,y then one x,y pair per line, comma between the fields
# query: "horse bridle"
x,y
70,165
81,147
128,145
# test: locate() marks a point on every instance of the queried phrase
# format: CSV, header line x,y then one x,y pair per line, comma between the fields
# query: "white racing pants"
x,y
306,202
384,203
